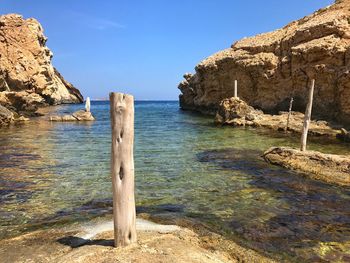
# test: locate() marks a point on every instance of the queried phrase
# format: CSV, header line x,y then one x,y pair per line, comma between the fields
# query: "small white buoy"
x,y
87,104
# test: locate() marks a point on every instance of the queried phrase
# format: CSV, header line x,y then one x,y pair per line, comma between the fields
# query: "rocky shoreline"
x,y
236,112
329,168
273,67
28,79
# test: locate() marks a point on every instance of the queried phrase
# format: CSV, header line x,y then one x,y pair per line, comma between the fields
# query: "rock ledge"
x,y
236,112
80,115
329,168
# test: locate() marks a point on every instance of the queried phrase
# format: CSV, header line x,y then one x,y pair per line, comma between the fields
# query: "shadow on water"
x,y
163,208
315,212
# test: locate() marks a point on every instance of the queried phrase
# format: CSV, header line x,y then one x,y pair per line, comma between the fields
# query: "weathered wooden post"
x,y
307,117
289,113
235,90
87,104
122,168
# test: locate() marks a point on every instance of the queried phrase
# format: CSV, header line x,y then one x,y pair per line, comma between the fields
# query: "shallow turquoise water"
x,y
55,173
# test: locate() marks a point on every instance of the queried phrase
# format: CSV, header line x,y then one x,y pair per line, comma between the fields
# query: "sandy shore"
x,y
93,242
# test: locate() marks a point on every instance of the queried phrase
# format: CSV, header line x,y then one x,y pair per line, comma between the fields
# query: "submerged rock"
x,y
272,67
80,115
27,78
329,168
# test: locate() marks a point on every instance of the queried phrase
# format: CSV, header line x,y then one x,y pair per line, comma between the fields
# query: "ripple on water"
x,y
185,167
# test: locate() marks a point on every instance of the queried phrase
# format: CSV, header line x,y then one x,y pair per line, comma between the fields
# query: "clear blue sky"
x,y
144,47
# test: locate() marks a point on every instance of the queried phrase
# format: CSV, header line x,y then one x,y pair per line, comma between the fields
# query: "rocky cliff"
x,y
27,78
272,67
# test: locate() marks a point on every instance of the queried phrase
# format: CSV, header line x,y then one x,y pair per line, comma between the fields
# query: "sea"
x,y
186,168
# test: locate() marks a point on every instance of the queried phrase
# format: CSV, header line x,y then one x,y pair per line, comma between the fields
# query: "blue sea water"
x,y
185,167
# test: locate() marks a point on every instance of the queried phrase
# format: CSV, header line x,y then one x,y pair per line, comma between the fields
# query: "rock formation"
x,y
6,116
81,115
236,112
329,168
27,78
234,108
272,67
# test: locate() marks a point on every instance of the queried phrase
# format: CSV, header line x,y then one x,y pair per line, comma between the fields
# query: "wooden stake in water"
x,y
235,90
87,104
289,113
122,168
307,117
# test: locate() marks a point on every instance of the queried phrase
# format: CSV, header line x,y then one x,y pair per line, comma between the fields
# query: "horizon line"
x,y
105,99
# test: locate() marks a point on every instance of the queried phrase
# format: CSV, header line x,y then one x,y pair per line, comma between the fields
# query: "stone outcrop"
x,y
80,115
6,116
329,168
27,78
272,67
235,108
236,112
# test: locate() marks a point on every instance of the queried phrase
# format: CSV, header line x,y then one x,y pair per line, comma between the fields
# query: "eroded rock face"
x,y
27,78
272,67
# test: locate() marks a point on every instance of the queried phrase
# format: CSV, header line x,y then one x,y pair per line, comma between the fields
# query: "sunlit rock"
x,y
236,112
272,67
80,115
329,168
28,79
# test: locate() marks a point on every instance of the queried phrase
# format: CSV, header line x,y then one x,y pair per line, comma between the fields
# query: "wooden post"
x,y
235,90
122,168
307,117
87,104
289,113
